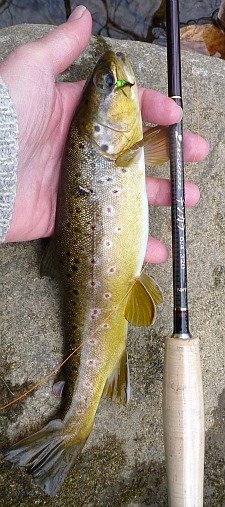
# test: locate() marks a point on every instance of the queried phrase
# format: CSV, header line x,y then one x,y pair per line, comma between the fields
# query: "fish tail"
x,y
48,455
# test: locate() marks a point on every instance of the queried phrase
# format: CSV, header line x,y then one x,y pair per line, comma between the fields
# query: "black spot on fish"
x,y
76,292
109,179
76,260
104,147
77,174
78,210
124,170
68,275
74,326
97,128
119,54
74,268
68,253
83,191
81,146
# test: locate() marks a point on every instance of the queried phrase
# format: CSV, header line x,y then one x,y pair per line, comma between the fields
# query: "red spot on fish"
x,y
90,362
93,227
107,295
94,261
79,411
92,341
95,313
94,283
88,384
109,210
111,270
105,325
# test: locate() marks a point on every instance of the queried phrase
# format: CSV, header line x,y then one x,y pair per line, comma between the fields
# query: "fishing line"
x,y
55,370
6,385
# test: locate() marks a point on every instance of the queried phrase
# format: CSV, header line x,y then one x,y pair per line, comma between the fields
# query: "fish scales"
x,y
109,207
97,254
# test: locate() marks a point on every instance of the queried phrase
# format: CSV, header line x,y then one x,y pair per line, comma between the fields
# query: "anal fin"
x,y
117,386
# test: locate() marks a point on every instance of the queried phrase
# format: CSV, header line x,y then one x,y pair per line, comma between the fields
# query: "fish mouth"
x,y
119,64
123,61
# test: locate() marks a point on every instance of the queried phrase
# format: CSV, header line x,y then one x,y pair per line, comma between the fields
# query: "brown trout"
x,y
97,253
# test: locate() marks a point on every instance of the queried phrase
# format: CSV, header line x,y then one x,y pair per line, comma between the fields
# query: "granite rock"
x,y
123,461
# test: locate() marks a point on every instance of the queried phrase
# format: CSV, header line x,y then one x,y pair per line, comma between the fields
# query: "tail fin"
x,y
48,455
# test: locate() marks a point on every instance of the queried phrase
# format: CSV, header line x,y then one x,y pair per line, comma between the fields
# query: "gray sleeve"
x,y
8,158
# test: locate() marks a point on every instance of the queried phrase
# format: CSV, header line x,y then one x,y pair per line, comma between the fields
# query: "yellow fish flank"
x,y
97,254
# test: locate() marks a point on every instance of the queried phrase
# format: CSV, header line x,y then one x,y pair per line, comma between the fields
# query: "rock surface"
x,y
123,462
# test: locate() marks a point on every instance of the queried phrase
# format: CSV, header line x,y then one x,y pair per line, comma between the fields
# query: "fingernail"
x,y
77,13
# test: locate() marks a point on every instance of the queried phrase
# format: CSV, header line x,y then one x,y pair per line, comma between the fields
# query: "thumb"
x,y
62,45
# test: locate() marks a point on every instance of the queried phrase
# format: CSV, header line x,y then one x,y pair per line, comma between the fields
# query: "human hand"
x,y
44,112
45,109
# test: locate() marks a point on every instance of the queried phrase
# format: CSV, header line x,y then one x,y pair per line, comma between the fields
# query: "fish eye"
x,y
104,81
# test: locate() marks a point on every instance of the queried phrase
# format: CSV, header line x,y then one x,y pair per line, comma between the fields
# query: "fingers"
x,y
157,108
159,192
195,147
62,45
156,252
70,94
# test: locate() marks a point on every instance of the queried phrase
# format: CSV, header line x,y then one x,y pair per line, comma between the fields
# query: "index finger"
x,y
158,108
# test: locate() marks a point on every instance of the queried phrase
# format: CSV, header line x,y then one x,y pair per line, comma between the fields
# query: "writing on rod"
x,y
181,227
179,161
180,214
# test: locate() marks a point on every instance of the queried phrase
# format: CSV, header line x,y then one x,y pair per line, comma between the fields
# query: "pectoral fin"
x,y
156,148
117,386
141,304
152,288
129,156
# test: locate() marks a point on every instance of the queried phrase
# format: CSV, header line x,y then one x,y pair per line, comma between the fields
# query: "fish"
x,y
97,253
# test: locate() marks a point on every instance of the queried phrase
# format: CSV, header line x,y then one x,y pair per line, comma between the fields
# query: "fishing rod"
x,y
183,411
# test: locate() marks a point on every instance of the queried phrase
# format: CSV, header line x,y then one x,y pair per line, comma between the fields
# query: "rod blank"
x,y
183,412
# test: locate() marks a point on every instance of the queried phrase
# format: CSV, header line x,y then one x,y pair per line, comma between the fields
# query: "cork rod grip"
x,y
183,422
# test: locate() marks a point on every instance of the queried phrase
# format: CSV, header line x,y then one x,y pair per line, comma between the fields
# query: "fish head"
x,y
109,113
